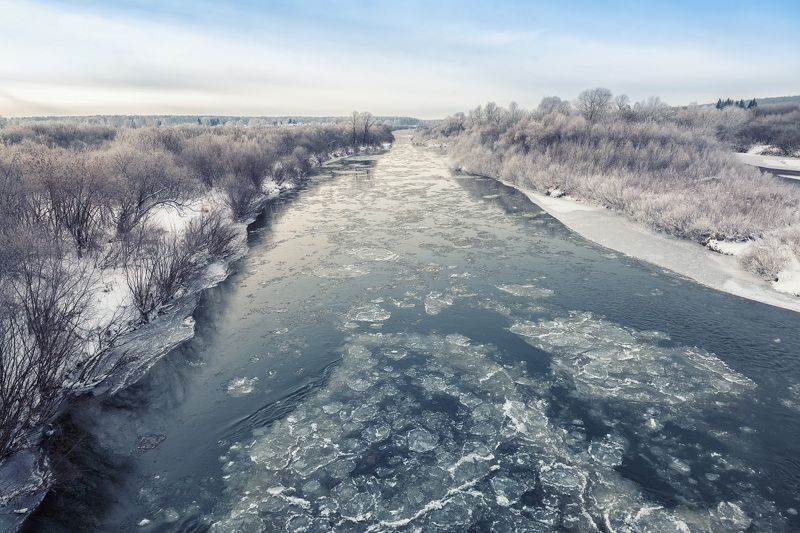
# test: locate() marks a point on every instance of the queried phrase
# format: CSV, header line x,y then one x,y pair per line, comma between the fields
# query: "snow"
x,y
789,278
777,164
728,247
689,259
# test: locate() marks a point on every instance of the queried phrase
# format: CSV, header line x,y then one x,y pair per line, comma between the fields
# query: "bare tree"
x,y
593,103
515,113
212,235
553,103
45,349
241,196
622,102
205,157
354,121
142,181
156,269
367,121
250,160
493,114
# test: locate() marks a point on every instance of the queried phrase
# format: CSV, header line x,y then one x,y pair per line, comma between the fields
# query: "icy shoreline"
x,y
25,477
716,270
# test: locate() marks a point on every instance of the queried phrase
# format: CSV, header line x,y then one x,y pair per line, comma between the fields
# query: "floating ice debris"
x,y
396,354
604,360
403,303
527,291
420,440
148,442
490,196
358,384
374,254
241,386
457,339
435,302
507,491
340,271
607,451
362,454
793,401
368,313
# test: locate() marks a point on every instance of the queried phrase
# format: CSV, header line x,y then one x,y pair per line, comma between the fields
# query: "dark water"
x,y
407,349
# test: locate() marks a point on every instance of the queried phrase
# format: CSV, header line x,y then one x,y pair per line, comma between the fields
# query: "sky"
x,y
425,58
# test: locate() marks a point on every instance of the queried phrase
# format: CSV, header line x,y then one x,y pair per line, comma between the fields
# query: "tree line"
x,y
722,104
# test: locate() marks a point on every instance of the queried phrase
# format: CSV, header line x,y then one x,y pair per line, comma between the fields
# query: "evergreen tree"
x,y
720,105
752,104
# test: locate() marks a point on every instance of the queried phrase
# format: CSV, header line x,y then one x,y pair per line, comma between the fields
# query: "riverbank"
x,y
25,477
615,231
785,167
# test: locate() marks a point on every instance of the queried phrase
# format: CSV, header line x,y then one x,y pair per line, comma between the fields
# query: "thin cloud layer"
x,y
313,60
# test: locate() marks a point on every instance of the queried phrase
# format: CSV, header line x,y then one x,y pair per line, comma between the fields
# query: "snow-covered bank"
x,y
786,167
25,477
713,269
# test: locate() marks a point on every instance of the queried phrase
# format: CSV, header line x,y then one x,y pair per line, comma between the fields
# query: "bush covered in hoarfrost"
x,y
77,202
661,166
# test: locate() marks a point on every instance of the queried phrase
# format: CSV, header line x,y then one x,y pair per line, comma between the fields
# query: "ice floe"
x,y
241,386
420,432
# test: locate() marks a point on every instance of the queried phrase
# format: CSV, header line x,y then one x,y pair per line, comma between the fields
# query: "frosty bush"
x,y
212,235
46,349
76,195
765,258
157,268
661,166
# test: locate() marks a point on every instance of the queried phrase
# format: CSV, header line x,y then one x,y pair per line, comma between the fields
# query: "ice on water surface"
x,y
373,254
604,360
435,432
241,386
371,312
430,432
528,291
340,271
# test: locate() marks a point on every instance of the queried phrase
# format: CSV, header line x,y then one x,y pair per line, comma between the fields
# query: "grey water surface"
x,y
408,349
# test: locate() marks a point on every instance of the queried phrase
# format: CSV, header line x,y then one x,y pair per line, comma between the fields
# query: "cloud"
x,y
83,61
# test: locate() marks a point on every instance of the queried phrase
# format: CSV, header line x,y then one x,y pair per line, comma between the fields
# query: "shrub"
x,y
45,350
156,269
765,259
241,196
212,235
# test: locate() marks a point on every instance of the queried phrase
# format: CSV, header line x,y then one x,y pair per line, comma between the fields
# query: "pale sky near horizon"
x,y
415,58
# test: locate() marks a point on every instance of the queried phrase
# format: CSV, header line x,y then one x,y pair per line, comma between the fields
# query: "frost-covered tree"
x,y
622,103
367,122
553,103
594,103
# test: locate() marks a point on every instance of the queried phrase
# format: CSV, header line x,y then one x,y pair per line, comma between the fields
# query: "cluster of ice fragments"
x,y
430,432
603,360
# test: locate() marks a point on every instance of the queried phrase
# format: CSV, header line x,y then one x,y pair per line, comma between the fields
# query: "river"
x,y
404,348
